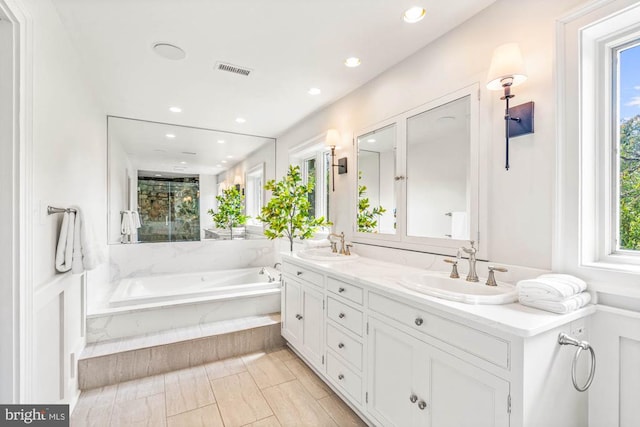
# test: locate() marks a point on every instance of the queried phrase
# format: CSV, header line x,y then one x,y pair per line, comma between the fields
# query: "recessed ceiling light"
x,y
183,163
170,135
175,109
158,174
352,62
414,14
314,91
169,51
371,140
240,120
229,157
221,141
223,161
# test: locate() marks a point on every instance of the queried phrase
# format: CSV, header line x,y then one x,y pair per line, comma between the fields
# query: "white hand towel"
x,y
551,287
125,223
87,254
136,219
567,305
64,250
459,224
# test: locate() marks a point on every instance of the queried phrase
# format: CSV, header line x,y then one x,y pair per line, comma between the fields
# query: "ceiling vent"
x,y
233,68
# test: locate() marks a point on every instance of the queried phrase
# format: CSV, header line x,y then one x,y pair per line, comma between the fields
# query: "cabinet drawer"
x,y
344,315
344,378
302,273
346,290
344,346
480,344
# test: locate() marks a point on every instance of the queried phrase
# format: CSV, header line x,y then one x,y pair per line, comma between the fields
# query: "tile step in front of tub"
x,y
109,362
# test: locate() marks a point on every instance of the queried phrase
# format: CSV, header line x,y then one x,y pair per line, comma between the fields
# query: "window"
x,y
254,194
626,74
597,199
315,169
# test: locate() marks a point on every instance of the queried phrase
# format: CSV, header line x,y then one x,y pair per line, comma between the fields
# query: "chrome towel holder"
x,y
51,210
564,339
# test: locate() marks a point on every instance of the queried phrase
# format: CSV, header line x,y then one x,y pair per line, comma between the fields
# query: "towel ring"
x,y
564,339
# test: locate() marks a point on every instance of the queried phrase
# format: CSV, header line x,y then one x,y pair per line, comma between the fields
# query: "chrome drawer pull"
x,y
422,404
341,315
340,345
299,317
419,321
413,398
340,377
341,290
299,273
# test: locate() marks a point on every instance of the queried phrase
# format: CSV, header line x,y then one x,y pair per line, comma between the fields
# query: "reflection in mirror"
x,y
376,189
164,178
438,156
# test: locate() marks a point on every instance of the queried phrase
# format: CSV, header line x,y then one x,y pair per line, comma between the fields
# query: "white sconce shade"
x,y
506,63
333,138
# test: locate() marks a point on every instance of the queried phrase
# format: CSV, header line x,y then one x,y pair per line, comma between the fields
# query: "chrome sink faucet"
x,y
341,236
472,276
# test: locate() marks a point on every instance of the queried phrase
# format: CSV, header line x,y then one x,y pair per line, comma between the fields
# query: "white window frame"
x,y
586,164
314,148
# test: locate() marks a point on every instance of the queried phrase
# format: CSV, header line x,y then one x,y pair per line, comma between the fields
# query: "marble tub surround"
x,y
120,360
261,389
149,259
514,319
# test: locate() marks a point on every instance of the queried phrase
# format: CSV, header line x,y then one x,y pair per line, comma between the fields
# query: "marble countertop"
x,y
514,319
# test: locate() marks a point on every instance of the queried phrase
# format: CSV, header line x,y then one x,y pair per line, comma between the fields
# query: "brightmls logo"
x,y
34,415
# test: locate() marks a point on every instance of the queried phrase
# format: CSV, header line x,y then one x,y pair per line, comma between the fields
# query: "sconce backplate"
x,y
525,125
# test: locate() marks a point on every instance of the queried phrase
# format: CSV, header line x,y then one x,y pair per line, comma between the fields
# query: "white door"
x,y
464,395
292,312
312,325
398,377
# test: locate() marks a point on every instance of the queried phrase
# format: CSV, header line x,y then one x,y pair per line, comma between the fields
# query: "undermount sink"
x,y
324,254
440,285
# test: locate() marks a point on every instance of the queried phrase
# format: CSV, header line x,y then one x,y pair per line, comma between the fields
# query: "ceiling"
x,y
290,46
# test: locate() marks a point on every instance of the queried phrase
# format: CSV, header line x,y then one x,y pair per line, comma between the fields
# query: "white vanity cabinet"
x,y
405,360
303,311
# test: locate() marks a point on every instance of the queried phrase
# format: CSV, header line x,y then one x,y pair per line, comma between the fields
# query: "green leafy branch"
x,y
230,209
287,212
367,218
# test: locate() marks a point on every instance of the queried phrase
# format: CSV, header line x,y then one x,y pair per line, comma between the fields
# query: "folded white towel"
x,y
567,305
64,250
551,287
320,243
87,254
135,219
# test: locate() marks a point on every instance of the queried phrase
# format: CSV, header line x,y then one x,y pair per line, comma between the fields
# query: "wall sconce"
x,y
333,140
507,70
237,181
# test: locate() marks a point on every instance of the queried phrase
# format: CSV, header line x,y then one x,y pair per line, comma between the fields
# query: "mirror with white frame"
x,y
438,155
376,176
417,186
164,178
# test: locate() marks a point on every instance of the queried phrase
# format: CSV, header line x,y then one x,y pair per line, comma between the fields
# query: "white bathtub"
x,y
179,287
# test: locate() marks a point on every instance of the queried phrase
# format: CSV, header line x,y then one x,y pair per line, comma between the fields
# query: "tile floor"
x,y
259,389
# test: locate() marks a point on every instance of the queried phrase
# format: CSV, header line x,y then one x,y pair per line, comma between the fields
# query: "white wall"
x,y
520,200
69,164
7,200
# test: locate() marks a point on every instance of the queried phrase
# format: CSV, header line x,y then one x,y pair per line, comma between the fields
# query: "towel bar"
x,y
51,210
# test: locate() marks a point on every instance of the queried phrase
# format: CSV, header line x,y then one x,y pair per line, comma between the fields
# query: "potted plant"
x,y
229,214
367,220
287,212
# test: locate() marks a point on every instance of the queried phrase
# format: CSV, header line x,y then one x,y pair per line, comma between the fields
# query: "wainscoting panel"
x,y
615,392
59,337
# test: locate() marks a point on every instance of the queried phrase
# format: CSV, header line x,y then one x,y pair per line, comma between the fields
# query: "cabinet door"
x,y
312,325
398,377
465,396
291,312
